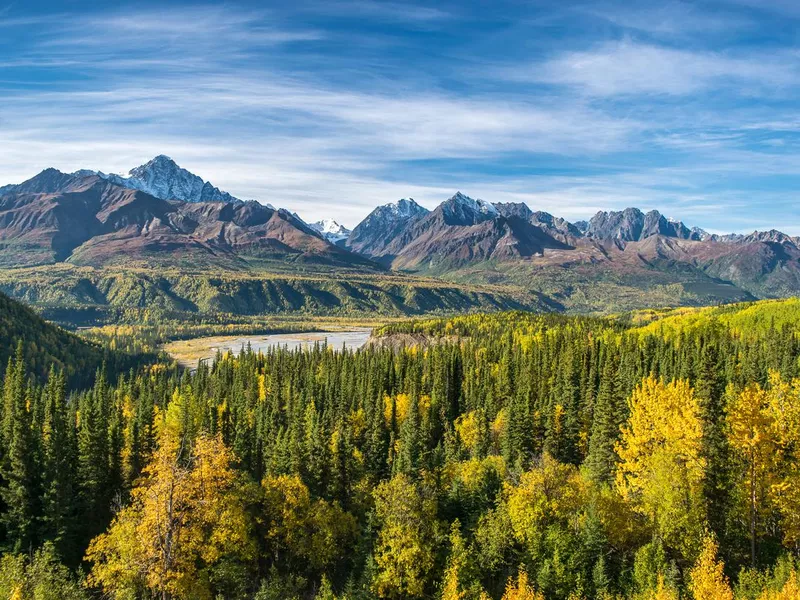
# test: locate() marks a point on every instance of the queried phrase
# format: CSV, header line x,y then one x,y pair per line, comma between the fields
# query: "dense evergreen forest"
x,y
514,455
45,346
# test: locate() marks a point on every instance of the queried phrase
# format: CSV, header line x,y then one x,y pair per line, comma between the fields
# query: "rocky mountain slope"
x,y
163,178
474,240
161,215
88,219
461,231
384,224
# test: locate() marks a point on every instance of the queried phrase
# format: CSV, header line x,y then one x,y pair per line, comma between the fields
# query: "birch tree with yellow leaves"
x,y
707,580
753,437
661,467
186,517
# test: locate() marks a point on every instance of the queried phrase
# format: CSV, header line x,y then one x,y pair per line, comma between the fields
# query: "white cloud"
x,y
626,68
219,91
671,19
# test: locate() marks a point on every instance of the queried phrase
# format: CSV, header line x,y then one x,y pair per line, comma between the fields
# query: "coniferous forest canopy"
x,y
511,455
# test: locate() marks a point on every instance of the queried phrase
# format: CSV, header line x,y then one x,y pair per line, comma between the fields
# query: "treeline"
x,y
523,456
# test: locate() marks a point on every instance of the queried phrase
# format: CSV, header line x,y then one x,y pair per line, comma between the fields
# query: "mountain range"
x,y
161,214
87,218
474,240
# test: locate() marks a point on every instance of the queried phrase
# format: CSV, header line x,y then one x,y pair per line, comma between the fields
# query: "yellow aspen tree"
x,y
405,552
789,591
707,580
662,592
546,494
661,469
520,589
452,588
753,437
784,408
301,528
461,573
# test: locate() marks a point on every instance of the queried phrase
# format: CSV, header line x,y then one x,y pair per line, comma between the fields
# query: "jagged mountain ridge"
x,y
462,233
88,219
463,230
94,219
620,227
163,178
382,225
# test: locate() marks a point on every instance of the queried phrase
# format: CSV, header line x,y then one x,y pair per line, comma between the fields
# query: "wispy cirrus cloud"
x,y
672,19
628,68
354,104
407,12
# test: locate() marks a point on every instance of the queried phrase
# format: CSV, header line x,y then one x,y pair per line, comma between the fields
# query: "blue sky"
x,y
330,108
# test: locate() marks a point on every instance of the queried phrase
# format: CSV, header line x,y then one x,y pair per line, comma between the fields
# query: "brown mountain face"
x,y
462,234
461,231
89,220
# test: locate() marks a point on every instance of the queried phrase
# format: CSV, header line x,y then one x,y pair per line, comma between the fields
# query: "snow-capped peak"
x,y
163,178
331,230
405,207
479,205
461,209
330,226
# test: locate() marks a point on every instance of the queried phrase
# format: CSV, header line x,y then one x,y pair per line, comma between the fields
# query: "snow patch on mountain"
x,y
163,178
404,208
331,230
478,205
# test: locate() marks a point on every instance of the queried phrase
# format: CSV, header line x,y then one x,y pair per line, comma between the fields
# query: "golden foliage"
x,y
184,517
552,491
752,435
397,406
707,580
309,530
661,466
789,591
466,427
405,554
520,589
662,592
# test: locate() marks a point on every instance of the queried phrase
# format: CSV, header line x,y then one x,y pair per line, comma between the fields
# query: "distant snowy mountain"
x,y
163,178
383,224
331,230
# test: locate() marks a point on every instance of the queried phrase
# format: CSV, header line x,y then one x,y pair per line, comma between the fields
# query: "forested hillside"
x,y
514,456
168,293
45,346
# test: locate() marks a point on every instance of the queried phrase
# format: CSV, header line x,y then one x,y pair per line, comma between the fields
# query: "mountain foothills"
x,y
45,347
515,456
164,217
